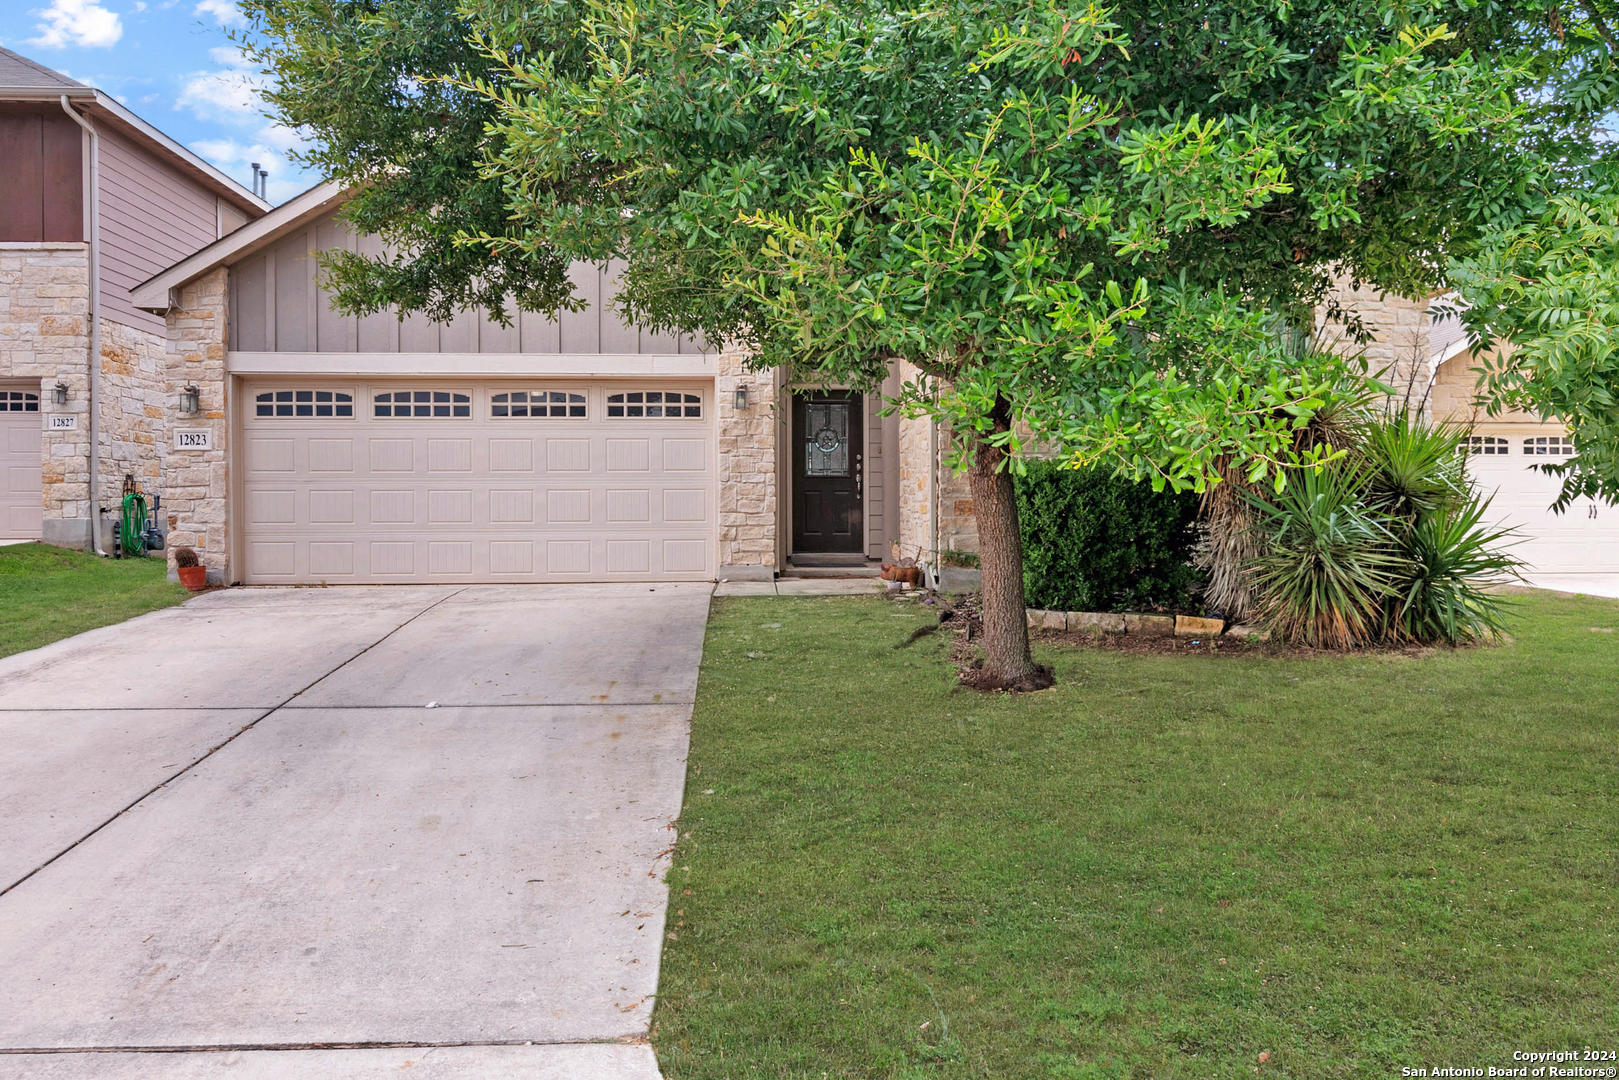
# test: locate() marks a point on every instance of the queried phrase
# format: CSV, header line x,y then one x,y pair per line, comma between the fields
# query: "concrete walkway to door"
x,y
339,832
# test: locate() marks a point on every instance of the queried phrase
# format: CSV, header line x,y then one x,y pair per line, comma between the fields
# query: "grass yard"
x,y
1165,867
49,593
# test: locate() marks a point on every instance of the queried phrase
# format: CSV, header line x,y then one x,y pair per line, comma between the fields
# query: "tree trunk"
x,y
1008,663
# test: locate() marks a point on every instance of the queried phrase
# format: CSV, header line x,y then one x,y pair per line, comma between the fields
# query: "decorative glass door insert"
x,y
826,438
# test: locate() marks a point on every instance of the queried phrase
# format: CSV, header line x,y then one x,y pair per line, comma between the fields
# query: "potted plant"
x,y
193,575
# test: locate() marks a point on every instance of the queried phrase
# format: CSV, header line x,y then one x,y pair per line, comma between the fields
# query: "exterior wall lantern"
x,y
59,393
741,401
190,401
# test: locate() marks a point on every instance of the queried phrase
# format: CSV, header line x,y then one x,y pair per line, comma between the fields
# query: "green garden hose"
x,y
133,531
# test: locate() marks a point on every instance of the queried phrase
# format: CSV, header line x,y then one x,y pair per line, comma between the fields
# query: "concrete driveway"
x,y
340,832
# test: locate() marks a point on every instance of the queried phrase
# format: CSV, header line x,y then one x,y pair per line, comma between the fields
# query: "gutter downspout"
x,y
93,204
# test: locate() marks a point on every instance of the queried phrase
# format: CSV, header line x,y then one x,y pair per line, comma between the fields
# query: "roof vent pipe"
x,y
93,361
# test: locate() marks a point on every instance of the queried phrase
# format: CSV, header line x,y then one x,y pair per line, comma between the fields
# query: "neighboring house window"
x,y
537,403
333,403
435,403
1543,445
661,403
18,401
1486,444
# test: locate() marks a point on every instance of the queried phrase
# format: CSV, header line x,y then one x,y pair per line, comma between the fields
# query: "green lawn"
x,y
48,593
1164,867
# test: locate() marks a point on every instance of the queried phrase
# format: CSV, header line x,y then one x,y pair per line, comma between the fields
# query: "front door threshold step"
x,y
863,570
827,558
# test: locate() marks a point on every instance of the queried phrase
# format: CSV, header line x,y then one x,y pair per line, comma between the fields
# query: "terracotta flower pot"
x,y
194,578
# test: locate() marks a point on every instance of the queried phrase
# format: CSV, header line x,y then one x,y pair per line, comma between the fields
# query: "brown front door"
x,y
827,463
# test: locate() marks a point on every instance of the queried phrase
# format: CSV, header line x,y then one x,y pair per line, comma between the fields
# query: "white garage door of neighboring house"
x,y
20,437
1583,540
445,481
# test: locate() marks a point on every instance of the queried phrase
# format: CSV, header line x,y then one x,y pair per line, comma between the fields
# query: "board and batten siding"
x,y
151,218
278,304
41,177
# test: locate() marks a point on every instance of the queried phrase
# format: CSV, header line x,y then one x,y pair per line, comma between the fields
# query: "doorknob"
x,y
859,474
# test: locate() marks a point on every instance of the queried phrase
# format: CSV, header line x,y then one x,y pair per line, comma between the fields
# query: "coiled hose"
x,y
132,534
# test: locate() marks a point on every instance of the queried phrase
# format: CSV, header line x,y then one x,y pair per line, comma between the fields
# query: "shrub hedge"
x,y
1094,542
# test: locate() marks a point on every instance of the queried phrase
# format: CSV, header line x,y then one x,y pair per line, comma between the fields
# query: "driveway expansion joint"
x,y
160,785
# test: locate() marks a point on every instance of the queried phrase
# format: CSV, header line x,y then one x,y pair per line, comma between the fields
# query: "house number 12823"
x,y
194,440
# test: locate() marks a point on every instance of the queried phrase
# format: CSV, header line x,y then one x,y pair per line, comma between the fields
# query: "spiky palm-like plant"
x,y
1413,468
1454,563
1329,564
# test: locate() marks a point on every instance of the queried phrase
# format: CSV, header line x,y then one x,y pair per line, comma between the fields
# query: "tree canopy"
x,y
1087,224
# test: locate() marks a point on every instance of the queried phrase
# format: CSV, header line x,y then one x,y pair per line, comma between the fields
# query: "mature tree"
x,y
1082,226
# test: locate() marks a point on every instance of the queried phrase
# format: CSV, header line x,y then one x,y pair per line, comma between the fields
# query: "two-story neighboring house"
x,y
93,200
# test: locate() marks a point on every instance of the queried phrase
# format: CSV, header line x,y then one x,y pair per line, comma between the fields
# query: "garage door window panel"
x,y
537,404
1548,446
423,405
304,404
18,401
654,404
1487,445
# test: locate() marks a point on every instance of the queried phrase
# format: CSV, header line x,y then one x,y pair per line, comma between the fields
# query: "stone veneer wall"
x,y
747,470
958,528
197,482
44,337
1399,347
135,411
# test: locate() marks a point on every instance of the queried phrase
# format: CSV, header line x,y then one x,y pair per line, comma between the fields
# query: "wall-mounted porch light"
x,y
742,397
59,393
190,401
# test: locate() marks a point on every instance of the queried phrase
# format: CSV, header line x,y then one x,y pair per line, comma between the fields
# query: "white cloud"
x,y
84,23
225,12
231,92
140,6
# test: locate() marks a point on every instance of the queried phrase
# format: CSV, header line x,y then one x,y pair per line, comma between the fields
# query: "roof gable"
x,y
18,70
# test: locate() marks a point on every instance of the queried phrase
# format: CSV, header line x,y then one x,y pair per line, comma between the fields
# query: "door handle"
x,y
859,474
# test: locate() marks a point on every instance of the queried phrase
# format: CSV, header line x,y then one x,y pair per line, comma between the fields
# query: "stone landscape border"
x,y
1109,622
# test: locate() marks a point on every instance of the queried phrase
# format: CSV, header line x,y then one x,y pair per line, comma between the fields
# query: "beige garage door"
x,y
1582,540
445,481
20,436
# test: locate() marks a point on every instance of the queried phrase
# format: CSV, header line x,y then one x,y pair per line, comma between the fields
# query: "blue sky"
x,y
170,62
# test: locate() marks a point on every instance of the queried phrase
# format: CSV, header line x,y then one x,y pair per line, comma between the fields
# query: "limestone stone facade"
x,y
45,340
197,482
1399,352
747,470
135,411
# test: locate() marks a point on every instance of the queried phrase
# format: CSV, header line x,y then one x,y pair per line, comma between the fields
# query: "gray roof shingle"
x,y
18,70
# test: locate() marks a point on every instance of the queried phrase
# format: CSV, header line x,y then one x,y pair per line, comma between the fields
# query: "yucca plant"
x,y
1413,468
1233,539
1453,564
1329,565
